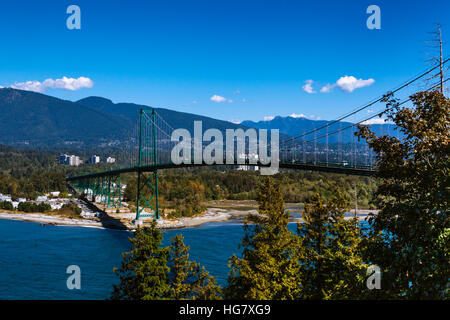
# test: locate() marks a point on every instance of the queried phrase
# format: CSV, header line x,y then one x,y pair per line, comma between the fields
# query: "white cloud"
x,y
63,83
350,83
347,84
327,88
308,86
268,118
297,115
217,98
35,86
375,121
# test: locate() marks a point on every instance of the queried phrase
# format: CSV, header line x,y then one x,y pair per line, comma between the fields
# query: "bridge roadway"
x,y
359,170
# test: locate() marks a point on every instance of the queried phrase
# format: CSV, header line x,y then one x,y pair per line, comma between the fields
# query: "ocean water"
x,y
34,257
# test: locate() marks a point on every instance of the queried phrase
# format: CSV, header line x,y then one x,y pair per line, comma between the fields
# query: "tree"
x,y
189,280
152,272
332,266
6,205
410,238
130,193
268,268
143,275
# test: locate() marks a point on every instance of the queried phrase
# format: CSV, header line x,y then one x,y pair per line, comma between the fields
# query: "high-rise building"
x,y
63,158
70,160
94,159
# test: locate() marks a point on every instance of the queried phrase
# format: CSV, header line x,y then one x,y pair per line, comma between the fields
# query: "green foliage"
x,y
33,207
70,209
28,173
332,266
143,274
189,280
409,237
268,268
43,120
152,272
130,193
185,190
6,205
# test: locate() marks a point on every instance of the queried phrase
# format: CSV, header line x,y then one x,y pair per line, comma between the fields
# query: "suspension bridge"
x,y
150,145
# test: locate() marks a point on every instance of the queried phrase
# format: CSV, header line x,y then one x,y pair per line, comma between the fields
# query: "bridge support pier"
x,y
147,184
147,195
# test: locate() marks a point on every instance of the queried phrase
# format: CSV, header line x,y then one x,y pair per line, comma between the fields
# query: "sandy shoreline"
x,y
211,215
47,219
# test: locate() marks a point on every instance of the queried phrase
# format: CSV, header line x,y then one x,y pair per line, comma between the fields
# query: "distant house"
x,y
110,160
4,198
56,206
41,198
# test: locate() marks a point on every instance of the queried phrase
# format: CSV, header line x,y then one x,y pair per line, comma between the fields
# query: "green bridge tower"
x,y
147,183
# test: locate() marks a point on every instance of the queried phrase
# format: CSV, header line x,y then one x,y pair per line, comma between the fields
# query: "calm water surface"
x,y
34,258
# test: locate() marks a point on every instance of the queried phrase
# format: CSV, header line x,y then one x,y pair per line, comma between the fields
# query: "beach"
x,y
124,221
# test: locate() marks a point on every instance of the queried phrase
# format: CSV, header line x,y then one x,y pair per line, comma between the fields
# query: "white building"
x,y
94,159
75,161
110,160
250,158
4,198
71,160
63,158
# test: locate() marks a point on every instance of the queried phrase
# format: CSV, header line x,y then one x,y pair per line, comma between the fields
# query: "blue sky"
x,y
253,55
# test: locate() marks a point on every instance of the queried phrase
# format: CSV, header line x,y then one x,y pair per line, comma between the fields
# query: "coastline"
x,y
211,215
50,220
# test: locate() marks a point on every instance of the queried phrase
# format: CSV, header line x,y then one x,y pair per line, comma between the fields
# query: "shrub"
x,y
6,205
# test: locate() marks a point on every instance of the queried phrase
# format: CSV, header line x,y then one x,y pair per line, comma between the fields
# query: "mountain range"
x,y
37,119
30,118
298,126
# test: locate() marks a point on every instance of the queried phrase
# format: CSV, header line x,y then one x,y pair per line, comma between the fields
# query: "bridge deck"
x,y
332,168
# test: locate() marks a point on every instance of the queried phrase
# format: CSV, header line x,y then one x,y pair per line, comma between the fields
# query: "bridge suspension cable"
x,y
371,117
409,82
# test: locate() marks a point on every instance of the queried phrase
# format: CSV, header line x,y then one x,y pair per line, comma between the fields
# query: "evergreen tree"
x,y
410,237
143,275
189,280
332,266
268,268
